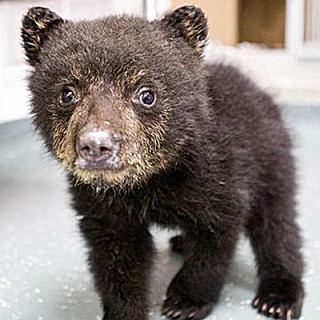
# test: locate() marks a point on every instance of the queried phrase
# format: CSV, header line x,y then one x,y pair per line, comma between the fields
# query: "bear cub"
x,y
149,133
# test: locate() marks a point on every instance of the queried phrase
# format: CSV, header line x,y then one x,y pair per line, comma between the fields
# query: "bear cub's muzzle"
x,y
97,149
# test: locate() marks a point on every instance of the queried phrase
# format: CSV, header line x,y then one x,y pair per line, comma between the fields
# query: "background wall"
x,y
262,22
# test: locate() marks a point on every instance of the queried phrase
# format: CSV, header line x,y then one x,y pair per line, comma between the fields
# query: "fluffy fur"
x,y
211,157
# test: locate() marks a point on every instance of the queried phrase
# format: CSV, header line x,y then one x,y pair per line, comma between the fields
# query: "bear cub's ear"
x,y
190,23
36,25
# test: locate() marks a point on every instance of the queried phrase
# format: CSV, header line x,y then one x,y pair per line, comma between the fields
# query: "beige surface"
x,y
222,18
262,22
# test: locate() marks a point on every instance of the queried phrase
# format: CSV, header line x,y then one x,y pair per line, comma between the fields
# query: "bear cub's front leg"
x,y
120,258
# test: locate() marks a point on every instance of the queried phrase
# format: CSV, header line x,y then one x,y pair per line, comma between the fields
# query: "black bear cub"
x,y
148,133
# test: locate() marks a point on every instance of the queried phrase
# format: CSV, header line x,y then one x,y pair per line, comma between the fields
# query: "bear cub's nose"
x,y
96,147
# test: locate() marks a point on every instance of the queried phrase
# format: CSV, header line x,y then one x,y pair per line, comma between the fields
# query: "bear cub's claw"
x,y
278,307
178,308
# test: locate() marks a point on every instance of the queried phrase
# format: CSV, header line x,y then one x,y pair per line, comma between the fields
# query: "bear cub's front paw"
x,y
277,307
280,300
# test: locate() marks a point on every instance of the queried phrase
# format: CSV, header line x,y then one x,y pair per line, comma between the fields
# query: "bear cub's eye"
x,y
67,97
147,97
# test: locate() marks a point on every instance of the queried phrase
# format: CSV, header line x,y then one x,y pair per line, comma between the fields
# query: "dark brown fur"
x,y
211,157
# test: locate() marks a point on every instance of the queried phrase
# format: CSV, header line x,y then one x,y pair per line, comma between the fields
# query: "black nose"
x,y
96,146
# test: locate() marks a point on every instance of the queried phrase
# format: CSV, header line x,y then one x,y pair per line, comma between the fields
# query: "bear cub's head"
x,y
116,99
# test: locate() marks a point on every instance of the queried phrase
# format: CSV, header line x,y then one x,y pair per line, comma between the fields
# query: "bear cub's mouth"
x,y
114,165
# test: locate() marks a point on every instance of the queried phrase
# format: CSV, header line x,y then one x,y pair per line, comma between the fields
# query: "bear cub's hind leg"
x,y
197,286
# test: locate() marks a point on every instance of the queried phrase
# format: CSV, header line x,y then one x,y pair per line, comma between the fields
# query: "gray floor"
x,y
43,274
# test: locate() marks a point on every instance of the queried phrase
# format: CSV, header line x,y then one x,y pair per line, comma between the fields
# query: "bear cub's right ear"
x,y
36,25
189,23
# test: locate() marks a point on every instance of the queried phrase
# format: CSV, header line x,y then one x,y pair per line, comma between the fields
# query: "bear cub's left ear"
x,y
189,23
36,25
